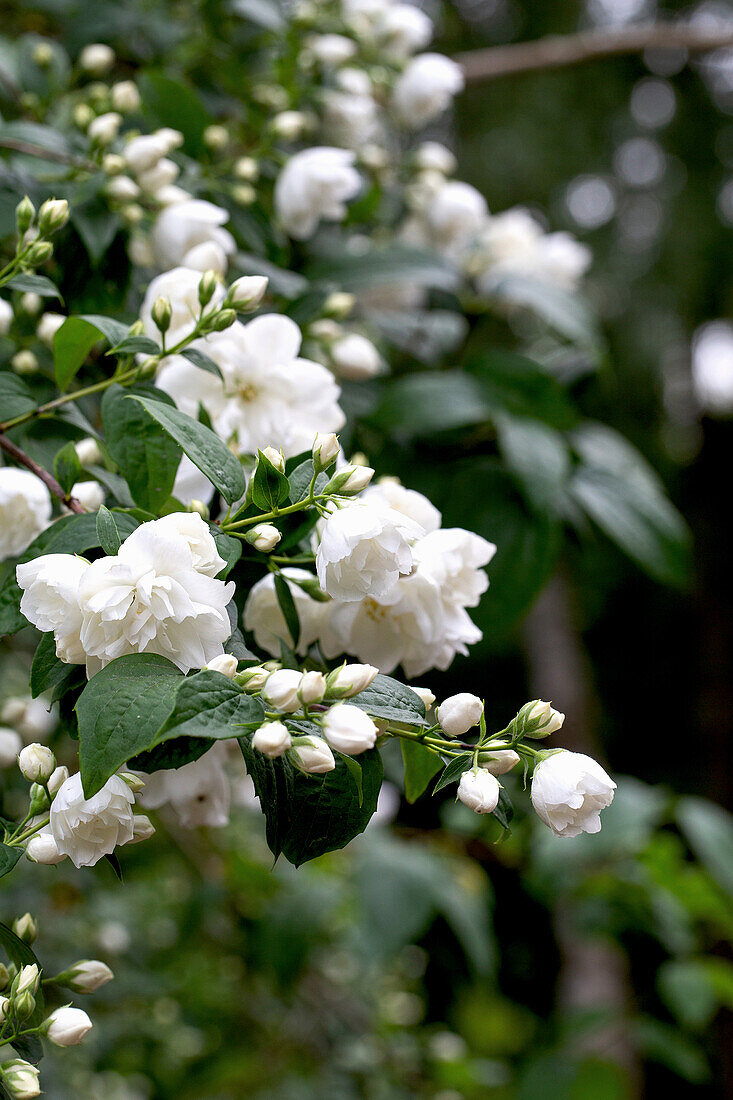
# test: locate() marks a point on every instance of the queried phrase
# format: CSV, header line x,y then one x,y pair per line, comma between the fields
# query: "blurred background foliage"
x,y
438,963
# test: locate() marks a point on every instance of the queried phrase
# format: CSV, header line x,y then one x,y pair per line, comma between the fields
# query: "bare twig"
x,y
48,480
559,51
42,153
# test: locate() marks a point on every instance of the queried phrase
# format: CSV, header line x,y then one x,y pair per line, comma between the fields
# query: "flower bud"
x,y
24,362
36,763
275,458
289,125
349,729
222,320
349,680
312,688
538,719
122,189
281,689
207,287
325,450
25,928
247,168
42,55
132,213
39,253
134,781
498,761
104,128
4,1007
47,327
349,481
39,801
85,976
88,451
272,739
31,303
20,1079
225,664
96,59
425,694
4,976
58,778
339,304
25,212
312,755
125,97
253,679
66,1027
459,713
10,746
26,981
216,137
263,537
24,1005
247,293
42,848
162,313
356,358
244,194
171,139
479,790
142,828
83,115
54,214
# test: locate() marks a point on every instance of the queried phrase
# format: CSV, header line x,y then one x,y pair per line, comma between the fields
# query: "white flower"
x,y
514,243
96,58
479,790
10,746
87,976
25,510
36,763
363,551
281,689
315,184
459,713
263,617
157,595
272,739
67,1026
331,49
312,688
142,828
431,156
158,179
198,793
312,755
20,1079
90,494
349,729
425,89
181,287
42,848
326,448
426,696
50,600
569,790
350,680
268,396
190,234
47,327
356,358
455,214
390,493
58,778
122,189
105,128
499,761
84,829
6,316
226,665
349,120
404,29
454,558
28,979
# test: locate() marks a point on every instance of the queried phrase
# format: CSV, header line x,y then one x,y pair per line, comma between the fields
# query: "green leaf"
x,y
538,456
47,671
516,385
72,343
504,811
301,478
210,705
200,360
431,401
427,335
264,13
134,345
36,284
388,698
8,858
385,266
170,754
567,313
229,549
120,711
308,815
170,102
146,454
107,533
354,769
453,771
625,498
204,448
19,953
68,535
67,467
288,608
708,830
421,764
270,487
113,331
15,397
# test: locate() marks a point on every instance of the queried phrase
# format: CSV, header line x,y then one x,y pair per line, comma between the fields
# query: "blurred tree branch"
x,y
560,51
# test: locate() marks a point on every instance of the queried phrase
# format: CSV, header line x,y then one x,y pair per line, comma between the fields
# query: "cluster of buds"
x,y
34,228
143,169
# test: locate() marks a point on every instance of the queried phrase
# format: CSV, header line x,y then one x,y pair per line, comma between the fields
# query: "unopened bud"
x,y
161,313
132,213
277,458
142,828
207,287
97,58
216,137
85,976
339,304
226,664
122,189
26,981
104,128
222,320
58,778
247,293
20,1079
54,214
349,481
25,928
498,761
199,507
4,1007
290,125
43,55
538,719
24,362
149,366
425,695
247,168
88,451
349,680
125,97
25,212
312,755
4,976
36,763
39,253
272,739
244,194
31,303
325,450
263,537
113,164
39,800
134,782
312,688
253,679
83,115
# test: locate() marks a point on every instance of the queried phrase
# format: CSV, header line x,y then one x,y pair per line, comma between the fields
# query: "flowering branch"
x,y
31,150
48,479
561,51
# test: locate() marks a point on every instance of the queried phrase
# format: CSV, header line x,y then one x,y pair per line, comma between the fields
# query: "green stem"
x,y
289,509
